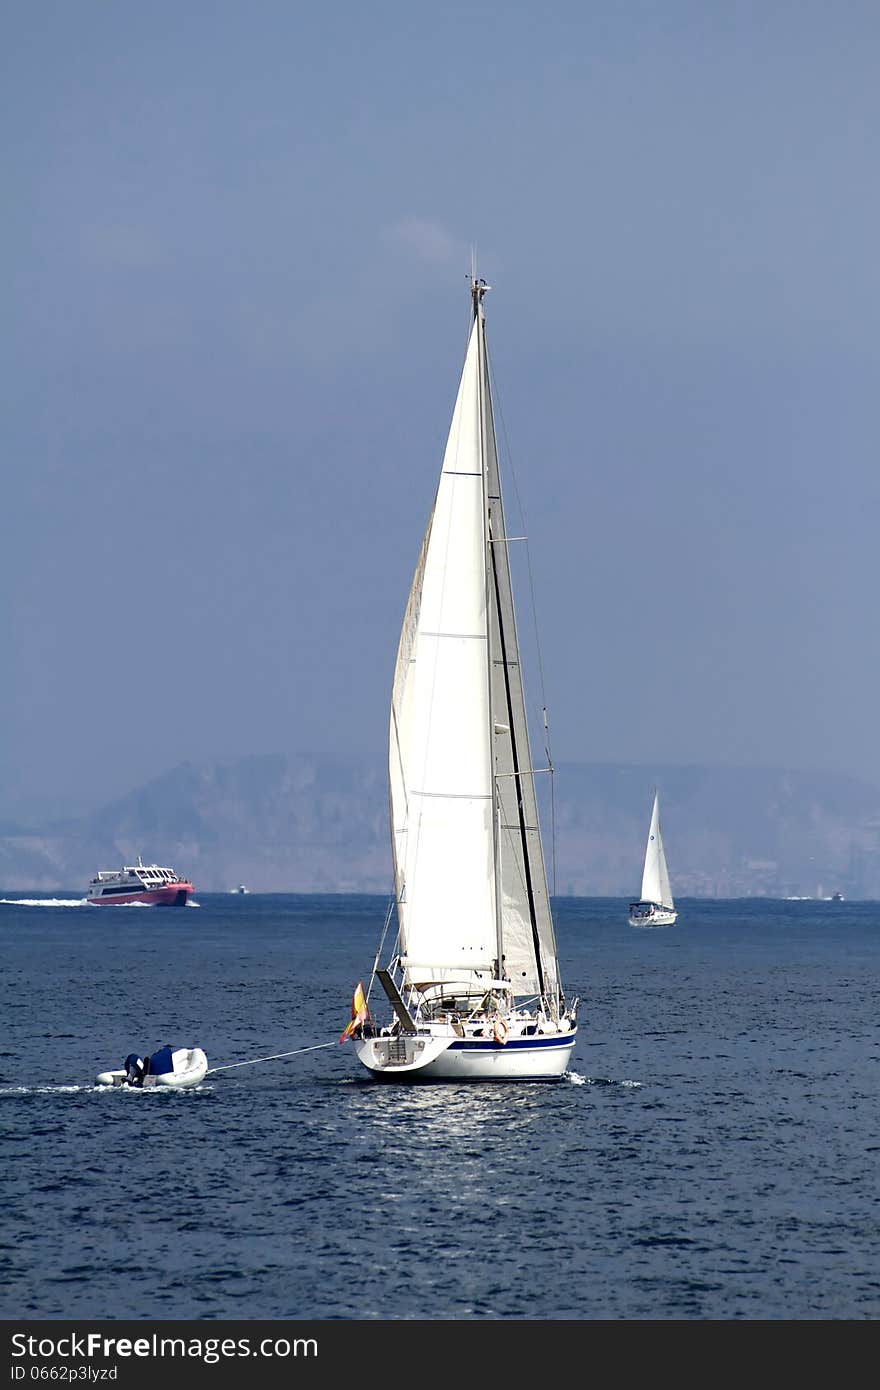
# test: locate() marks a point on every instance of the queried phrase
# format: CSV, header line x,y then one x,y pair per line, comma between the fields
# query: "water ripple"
x,y
710,1155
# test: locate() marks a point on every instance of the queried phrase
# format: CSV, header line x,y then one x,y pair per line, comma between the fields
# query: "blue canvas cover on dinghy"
x,y
161,1062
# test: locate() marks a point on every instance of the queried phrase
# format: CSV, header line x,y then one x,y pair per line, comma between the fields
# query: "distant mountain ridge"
x,y
298,823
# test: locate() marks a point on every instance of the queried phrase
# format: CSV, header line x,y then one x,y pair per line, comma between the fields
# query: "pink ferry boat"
x,y
140,883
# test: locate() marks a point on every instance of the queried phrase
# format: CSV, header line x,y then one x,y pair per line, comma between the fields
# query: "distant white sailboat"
x,y
473,979
656,907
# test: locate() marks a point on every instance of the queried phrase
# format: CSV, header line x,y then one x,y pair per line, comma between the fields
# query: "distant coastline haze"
x,y
319,824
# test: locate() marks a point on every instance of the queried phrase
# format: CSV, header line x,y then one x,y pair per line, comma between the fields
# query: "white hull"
x,y
445,1057
656,917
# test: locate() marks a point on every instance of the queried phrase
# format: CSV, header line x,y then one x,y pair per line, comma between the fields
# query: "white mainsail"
x,y
439,764
655,877
470,877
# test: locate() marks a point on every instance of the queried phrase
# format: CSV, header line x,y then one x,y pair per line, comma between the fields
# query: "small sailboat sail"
x,y
473,981
656,907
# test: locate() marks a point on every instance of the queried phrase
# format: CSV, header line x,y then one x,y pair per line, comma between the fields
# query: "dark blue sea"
x,y
713,1153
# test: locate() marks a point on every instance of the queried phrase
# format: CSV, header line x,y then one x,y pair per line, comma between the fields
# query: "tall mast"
x,y
493,599
478,291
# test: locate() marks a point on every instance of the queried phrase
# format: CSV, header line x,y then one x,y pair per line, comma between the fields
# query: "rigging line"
x,y
524,771
551,770
512,472
316,1047
534,608
470,309
486,426
553,824
392,903
510,831
527,868
512,839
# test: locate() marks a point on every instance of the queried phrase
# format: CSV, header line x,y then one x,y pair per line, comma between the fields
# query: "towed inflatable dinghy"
x,y
169,1067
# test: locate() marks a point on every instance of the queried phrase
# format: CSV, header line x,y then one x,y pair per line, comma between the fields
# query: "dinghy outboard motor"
x,y
135,1069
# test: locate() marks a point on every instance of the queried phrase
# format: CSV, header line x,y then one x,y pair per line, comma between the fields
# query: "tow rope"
x,y
276,1056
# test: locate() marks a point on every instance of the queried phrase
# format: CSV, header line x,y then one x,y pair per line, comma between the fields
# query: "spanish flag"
x,y
359,1011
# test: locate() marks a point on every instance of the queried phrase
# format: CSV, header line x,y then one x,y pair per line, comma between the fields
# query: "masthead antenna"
x,y
478,286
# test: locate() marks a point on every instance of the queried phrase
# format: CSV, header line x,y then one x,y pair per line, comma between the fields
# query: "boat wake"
x,y
577,1080
99,1090
45,902
45,1090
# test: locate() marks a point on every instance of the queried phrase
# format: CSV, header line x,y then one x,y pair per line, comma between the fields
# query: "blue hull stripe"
x,y
513,1045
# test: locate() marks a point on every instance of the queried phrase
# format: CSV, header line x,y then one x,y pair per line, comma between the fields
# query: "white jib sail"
x,y
655,878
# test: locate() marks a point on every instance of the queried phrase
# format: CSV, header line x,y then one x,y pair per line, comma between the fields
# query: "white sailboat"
x,y
656,907
473,978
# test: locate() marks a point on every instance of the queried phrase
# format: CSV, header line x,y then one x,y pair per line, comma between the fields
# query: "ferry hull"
x,y
172,895
543,1058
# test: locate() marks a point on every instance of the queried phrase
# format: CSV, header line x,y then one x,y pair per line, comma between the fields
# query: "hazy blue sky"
x,y
235,242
